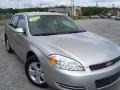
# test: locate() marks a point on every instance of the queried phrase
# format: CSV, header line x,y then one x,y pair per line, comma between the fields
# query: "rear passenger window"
x,y
14,21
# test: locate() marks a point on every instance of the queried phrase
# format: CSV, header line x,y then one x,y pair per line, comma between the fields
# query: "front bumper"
x,y
82,80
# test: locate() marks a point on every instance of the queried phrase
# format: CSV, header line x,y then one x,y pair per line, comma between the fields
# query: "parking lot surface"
x,y
12,76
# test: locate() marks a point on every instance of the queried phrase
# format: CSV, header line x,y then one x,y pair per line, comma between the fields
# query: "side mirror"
x,y
19,30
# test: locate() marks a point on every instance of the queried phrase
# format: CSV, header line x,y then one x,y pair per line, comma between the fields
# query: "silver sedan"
x,y
59,53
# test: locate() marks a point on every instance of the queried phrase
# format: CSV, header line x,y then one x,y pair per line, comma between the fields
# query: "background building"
x,y
69,11
114,11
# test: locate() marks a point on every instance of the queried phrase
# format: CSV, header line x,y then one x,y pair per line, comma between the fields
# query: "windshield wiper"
x,y
77,31
44,34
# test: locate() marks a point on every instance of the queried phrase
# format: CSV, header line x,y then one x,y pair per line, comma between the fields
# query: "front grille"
x,y
104,65
71,87
107,81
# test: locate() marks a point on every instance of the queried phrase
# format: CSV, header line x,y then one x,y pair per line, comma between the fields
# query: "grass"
x,y
2,17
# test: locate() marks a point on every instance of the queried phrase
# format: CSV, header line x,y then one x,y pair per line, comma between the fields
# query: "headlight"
x,y
65,63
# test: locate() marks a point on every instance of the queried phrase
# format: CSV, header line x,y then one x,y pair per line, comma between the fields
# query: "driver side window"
x,y
21,22
14,21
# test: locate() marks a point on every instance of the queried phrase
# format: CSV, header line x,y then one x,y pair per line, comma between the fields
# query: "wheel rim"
x,y
7,45
36,73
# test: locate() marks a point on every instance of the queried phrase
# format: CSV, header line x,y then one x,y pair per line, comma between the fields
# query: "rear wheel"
x,y
34,72
9,49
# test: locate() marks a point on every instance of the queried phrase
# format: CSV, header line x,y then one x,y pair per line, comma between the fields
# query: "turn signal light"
x,y
52,59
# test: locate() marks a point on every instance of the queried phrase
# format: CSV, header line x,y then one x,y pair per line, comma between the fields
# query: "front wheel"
x,y
34,72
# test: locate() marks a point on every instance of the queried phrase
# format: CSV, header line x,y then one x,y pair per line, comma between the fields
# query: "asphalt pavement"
x,y
12,76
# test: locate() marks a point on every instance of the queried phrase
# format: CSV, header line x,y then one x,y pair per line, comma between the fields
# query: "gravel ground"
x,y
12,76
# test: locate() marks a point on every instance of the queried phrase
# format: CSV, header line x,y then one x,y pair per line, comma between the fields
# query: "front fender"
x,y
42,57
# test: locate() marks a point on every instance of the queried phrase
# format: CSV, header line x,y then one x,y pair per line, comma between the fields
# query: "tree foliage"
x,y
88,11
11,10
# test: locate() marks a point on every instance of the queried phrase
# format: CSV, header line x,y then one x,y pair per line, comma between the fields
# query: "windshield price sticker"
x,y
35,18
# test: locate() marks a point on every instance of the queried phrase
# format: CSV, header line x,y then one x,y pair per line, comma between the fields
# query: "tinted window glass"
x,y
21,22
14,21
52,24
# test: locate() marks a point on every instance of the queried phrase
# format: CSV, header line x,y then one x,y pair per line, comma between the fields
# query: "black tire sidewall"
x,y
30,60
10,49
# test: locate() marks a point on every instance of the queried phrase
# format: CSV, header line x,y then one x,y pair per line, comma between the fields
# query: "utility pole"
x,y
114,9
18,4
41,4
97,3
72,7
113,5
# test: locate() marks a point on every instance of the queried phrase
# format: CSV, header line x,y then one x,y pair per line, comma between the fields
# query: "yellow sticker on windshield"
x,y
35,18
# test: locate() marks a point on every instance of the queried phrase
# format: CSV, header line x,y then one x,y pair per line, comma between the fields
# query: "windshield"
x,y
52,25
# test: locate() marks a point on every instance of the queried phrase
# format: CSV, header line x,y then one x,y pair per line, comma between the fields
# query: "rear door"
x,y
21,44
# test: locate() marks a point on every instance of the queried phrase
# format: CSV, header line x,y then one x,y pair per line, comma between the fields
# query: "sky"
x,y
44,3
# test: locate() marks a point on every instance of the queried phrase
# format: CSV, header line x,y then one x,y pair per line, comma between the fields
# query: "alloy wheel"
x,y
36,73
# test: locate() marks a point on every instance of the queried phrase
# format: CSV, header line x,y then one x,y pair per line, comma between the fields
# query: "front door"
x,y
21,43
11,31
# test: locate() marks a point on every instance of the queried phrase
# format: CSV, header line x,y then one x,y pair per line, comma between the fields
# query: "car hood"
x,y
85,47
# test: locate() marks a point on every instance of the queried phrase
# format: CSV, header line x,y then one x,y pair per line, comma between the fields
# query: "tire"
x,y
9,49
34,73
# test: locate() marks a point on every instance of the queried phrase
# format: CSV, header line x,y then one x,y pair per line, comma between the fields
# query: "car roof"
x,y
38,13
